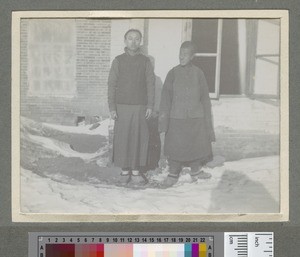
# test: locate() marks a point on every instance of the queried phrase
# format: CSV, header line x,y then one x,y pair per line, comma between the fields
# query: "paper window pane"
x,y
205,35
52,57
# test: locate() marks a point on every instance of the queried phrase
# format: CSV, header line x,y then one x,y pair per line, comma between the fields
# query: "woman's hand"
x,y
113,115
148,113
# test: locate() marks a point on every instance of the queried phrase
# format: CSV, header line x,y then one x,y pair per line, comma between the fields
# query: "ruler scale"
x,y
248,244
215,244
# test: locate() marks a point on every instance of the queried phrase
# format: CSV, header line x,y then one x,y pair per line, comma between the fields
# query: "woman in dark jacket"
x,y
185,116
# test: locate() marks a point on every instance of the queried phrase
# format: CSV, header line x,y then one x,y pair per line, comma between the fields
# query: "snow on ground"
x,y
64,149
242,186
85,129
249,185
245,114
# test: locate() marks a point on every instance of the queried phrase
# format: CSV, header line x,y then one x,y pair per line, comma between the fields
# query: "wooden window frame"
x,y
253,57
187,35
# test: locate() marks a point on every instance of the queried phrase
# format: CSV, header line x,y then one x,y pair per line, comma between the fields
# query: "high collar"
x,y
189,65
139,51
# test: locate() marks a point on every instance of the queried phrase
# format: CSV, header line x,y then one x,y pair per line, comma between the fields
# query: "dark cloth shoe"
x,y
170,181
124,179
138,180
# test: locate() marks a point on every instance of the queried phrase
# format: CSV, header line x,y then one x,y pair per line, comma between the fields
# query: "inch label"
x,y
261,244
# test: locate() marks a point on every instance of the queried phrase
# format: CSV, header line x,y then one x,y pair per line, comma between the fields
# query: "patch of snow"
x,y
103,129
246,114
64,149
43,195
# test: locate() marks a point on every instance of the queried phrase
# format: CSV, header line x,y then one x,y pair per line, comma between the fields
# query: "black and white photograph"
x,y
150,116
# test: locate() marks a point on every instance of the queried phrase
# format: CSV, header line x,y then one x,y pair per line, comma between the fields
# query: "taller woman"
x,y
131,85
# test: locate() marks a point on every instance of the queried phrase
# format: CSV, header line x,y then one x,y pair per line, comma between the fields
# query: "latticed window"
x,y
52,57
207,37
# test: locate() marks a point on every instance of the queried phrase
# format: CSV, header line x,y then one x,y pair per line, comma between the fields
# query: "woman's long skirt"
x,y
131,137
188,140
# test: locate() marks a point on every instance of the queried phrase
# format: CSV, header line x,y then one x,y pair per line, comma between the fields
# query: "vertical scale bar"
x,y
150,250
165,250
180,250
187,250
195,250
100,250
136,251
92,250
202,250
79,251
236,244
153,250
242,245
87,250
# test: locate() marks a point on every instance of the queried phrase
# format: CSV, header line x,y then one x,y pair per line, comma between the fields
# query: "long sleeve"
x,y
112,85
205,100
165,103
150,82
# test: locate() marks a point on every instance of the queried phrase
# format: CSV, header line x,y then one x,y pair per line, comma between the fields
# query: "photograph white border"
x,y
283,215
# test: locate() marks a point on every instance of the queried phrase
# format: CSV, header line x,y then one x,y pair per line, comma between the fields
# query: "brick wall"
x,y
92,68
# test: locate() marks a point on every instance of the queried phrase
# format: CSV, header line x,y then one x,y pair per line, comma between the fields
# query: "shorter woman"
x,y
185,117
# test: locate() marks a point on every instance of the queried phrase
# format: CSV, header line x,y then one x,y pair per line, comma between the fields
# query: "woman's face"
x,y
185,56
133,41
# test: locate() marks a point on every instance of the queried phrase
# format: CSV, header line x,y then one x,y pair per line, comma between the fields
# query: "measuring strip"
x,y
215,244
